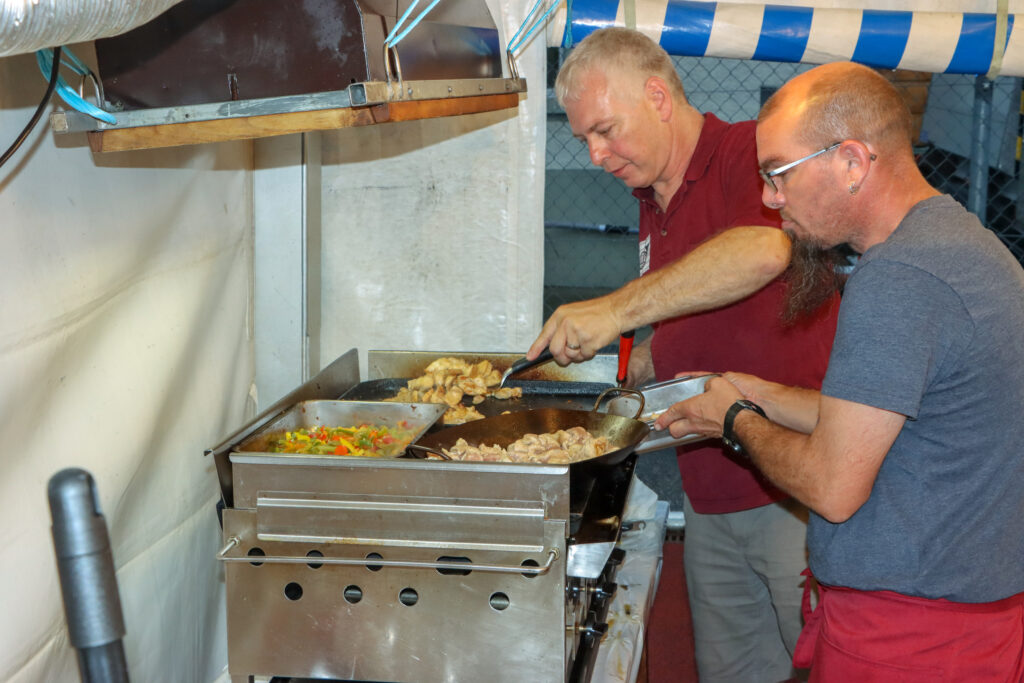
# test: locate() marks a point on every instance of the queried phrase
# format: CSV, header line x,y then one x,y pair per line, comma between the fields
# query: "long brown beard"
x,y
814,275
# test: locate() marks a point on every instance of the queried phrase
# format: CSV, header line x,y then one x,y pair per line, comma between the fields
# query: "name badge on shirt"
x,y
645,255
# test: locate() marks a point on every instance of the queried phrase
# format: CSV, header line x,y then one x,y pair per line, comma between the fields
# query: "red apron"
x,y
881,636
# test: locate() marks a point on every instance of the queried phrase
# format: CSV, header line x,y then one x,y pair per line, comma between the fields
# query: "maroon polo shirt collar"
x,y
710,135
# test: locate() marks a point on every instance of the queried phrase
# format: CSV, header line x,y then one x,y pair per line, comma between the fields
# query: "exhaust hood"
x,y
213,70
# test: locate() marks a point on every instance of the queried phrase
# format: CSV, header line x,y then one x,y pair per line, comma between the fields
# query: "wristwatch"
x,y
728,436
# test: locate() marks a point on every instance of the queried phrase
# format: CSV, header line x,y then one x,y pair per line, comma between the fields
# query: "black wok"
x,y
624,433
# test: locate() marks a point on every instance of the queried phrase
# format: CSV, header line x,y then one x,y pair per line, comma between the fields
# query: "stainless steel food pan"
x,y
306,414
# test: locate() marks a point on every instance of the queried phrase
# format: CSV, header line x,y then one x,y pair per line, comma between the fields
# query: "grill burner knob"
x,y
591,627
604,591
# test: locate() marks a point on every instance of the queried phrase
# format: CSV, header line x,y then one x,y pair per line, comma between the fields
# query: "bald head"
x,y
845,101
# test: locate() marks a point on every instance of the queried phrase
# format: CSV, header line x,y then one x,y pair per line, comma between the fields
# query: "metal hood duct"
x,y
30,25
204,51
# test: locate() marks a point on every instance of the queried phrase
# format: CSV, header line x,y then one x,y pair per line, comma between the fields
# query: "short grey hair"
x,y
616,48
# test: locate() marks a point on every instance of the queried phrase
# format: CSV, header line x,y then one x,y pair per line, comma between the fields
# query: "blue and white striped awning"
x,y
940,42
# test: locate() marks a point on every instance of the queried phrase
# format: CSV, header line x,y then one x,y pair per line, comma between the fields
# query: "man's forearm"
x,y
731,266
772,447
793,407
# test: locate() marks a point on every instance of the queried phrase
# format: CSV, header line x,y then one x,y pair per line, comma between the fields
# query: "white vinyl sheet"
x,y
125,349
432,230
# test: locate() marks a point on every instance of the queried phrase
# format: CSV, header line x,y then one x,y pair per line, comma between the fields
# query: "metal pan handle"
x,y
424,452
381,562
620,390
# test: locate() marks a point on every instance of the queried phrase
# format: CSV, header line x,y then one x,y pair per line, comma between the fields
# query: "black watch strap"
x,y
728,436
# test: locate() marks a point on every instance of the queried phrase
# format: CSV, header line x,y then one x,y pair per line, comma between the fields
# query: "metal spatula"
x,y
524,364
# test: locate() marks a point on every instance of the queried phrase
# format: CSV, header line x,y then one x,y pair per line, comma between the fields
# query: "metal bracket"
x,y
356,95
381,562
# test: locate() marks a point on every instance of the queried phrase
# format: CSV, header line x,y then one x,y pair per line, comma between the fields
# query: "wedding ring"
x,y
574,347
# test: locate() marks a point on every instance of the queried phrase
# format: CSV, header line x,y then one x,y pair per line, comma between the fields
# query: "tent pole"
x,y
977,192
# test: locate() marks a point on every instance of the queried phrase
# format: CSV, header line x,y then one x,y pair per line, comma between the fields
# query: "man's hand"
x,y
576,332
750,386
703,414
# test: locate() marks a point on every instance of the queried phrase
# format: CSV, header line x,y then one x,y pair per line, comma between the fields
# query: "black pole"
x,y
87,581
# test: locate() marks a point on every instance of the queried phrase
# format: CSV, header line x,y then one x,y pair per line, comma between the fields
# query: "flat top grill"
x,y
358,567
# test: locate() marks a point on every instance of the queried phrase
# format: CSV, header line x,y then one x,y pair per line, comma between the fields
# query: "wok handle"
x,y
620,390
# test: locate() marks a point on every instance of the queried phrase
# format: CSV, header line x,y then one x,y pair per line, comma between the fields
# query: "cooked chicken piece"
x,y
421,383
453,396
477,400
561,447
449,365
507,392
461,414
481,369
474,386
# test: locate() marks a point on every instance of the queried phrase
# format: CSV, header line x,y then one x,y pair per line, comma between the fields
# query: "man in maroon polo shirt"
x,y
710,259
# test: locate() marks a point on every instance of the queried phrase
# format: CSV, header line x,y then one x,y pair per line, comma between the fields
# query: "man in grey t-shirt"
x,y
911,458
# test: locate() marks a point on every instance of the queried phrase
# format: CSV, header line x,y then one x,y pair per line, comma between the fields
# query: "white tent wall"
x,y
431,234
125,349
448,213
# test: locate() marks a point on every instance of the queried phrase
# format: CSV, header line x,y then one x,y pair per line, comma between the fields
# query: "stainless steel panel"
x,y
397,624
401,521
257,472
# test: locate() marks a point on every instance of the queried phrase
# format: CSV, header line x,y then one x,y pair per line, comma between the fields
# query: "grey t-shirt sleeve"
x,y
898,325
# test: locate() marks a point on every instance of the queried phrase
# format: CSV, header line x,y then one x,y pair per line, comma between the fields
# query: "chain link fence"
x,y
591,217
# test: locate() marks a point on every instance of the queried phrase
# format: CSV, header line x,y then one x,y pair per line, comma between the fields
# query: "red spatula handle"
x,y
625,349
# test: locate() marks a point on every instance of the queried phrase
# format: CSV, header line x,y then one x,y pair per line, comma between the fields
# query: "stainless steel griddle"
x,y
409,570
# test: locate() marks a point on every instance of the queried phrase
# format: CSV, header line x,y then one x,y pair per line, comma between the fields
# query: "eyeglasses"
x,y
769,176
